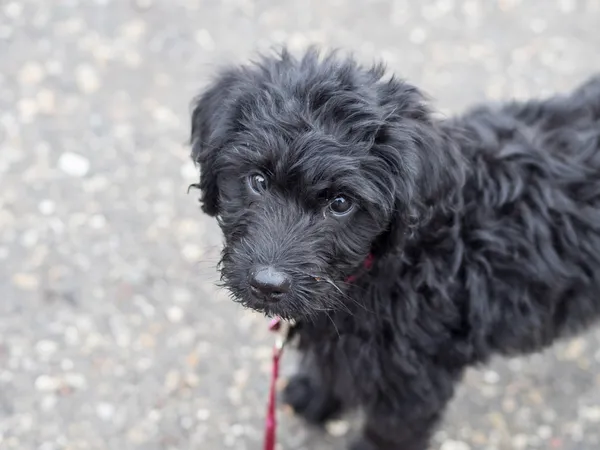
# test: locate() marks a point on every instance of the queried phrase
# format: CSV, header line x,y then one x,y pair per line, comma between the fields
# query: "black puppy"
x,y
483,231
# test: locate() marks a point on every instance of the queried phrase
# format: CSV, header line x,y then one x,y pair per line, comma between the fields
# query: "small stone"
x,y
54,67
25,281
143,364
28,109
545,432
237,429
181,295
191,252
87,79
143,4
418,36
455,445
574,349
192,380
567,6
30,238
186,423
137,436
591,414
203,415
31,73
175,314
147,340
132,59
48,402
13,10
71,336
46,383
154,415
105,411
46,347
73,164
76,380
189,171
172,380
337,427
491,377
97,221
205,40
164,115
134,29
519,441
46,101
538,25
47,207
66,365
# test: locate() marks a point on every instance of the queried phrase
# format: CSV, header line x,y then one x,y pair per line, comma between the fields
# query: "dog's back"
x,y
533,216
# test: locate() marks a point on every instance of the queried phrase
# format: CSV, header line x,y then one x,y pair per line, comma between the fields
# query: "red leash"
x,y
271,421
275,325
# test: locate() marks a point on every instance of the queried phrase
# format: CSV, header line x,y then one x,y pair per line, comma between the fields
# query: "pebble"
x,y
189,171
73,164
134,29
175,314
47,207
25,281
97,221
105,411
205,40
13,10
172,380
87,78
75,380
191,252
46,101
491,377
46,347
418,36
28,109
31,73
338,427
48,402
455,445
46,383
203,415
591,413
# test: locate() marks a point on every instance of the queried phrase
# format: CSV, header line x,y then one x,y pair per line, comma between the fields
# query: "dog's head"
x,y
309,165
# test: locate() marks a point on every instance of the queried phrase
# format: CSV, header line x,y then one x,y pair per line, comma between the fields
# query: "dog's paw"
x,y
362,444
309,400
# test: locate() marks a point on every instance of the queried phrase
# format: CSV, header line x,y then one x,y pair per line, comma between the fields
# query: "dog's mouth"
x,y
286,290
308,297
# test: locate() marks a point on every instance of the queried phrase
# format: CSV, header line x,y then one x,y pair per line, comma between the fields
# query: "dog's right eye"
x,y
258,183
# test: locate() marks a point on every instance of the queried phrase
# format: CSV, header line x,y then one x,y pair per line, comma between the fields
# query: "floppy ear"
x,y
426,165
407,142
211,121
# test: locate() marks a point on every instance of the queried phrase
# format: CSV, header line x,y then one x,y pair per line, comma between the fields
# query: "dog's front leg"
x,y
407,421
383,431
311,396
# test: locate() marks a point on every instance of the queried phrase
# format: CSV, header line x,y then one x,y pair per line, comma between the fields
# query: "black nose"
x,y
269,282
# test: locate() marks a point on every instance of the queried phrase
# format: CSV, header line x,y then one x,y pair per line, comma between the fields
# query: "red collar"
x,y
275,325
367,264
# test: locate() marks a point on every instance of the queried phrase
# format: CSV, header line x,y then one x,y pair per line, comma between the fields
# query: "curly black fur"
x,y
485,229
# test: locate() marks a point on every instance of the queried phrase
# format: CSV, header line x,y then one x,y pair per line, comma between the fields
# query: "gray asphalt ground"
x,y
112,335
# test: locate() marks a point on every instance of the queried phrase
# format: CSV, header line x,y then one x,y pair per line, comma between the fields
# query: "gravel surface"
x,y
112,335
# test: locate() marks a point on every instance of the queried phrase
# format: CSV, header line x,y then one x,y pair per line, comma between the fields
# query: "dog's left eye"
x,y
340,206
258,183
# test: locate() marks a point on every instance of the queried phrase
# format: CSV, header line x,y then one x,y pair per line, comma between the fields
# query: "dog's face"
x,y
309,165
